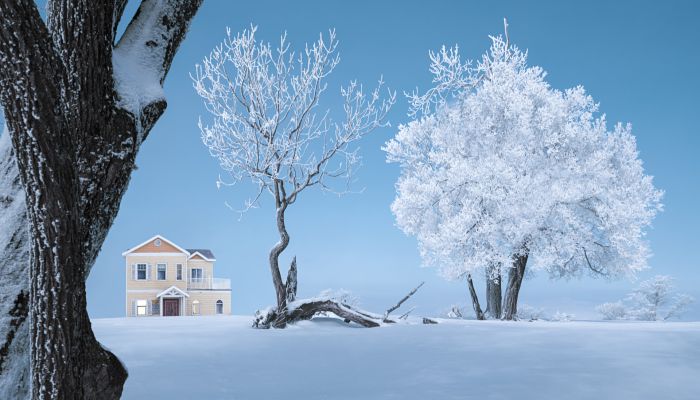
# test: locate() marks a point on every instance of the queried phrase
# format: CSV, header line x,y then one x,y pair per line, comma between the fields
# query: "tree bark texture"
x,y
75,137
14,285
515,280
475,298
493,295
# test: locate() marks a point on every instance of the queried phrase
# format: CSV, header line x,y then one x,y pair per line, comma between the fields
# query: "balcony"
x,y
208,283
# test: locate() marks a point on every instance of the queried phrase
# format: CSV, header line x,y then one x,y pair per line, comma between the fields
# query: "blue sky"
x,y
638,59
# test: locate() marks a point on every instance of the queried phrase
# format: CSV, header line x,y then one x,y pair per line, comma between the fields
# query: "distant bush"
x,y
612,311
652,300
526,312
562,317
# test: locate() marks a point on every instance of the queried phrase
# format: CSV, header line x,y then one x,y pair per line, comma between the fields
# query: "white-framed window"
x,y
161,271
196,274
195,307
141,308
141,272
219,307
157,242
178,275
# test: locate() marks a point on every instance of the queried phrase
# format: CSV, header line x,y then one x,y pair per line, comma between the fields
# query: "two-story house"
x,y
164,279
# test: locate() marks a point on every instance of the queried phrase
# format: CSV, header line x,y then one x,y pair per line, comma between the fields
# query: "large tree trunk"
x,y
493,293
515,280
475,299
14,285
76,130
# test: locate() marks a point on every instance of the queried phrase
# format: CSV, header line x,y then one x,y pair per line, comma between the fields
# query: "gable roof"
x,y
131,250
204,253
173,291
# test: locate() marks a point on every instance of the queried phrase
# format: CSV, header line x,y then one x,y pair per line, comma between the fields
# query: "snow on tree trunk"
x,y
493,294
78,108
291,285
515,280
14,285
475,299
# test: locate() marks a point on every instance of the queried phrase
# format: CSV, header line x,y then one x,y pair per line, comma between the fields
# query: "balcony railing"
x,y
208,283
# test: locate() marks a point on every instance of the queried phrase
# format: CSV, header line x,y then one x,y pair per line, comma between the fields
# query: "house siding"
x,y
207,301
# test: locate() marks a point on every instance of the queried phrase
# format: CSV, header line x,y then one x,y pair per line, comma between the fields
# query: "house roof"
x,y
204,253
131,250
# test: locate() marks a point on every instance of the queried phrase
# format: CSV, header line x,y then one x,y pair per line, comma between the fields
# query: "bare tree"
x,y
78,107
266,127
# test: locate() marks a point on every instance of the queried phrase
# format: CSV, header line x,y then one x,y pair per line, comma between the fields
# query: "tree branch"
x,y
396,307
147,48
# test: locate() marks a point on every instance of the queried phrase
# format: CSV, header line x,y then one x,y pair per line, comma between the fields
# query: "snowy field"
x,y
223,358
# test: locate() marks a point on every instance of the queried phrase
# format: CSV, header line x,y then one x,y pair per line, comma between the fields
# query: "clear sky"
x,y
639,59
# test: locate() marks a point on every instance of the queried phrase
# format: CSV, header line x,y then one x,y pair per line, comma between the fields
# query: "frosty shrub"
x,y
562,317
456,311
652,300
529,313
612,311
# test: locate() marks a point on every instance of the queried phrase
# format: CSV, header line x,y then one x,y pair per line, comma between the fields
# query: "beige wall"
x,y
207,301
171,263
131,297
206,266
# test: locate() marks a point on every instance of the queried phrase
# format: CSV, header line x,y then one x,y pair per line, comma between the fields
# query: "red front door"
x,y
171,307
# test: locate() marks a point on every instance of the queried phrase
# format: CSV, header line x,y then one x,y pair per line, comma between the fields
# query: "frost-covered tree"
x,y
500,171
266,128
78,102
652,300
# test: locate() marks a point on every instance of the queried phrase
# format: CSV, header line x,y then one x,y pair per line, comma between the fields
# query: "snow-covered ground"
x,y
223,358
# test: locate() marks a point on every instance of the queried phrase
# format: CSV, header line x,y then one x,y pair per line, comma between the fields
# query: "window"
x,y
196,274
195,307
141,272
161,271
219,307
157,243
141,307
178,275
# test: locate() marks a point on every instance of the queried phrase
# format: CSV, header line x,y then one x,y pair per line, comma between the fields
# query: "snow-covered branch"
x,y
266,125
144,53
